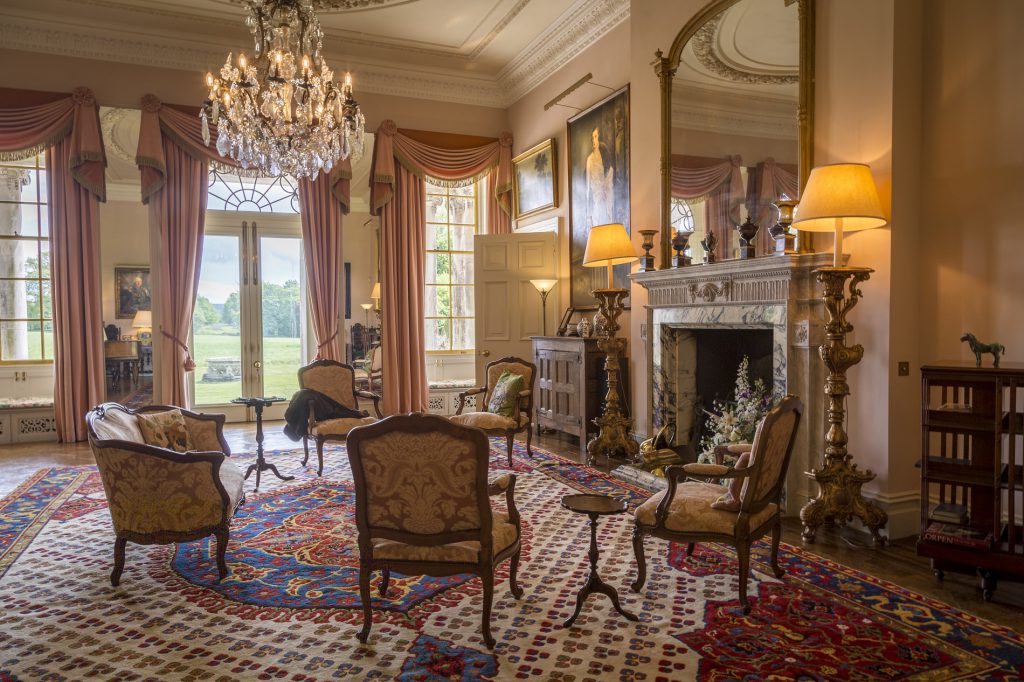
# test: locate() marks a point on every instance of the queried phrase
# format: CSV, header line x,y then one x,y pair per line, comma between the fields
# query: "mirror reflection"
x,y
735,126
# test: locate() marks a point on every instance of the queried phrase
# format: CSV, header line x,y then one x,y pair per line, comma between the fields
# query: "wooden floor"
x,y
897,563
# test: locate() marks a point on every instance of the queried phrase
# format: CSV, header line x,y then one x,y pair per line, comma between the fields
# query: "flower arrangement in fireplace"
x,y
735,421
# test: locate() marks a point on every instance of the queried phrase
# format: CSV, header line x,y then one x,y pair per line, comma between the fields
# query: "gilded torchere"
x,y
613,437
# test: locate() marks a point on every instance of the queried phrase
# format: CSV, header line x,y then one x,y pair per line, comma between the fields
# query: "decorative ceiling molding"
x,y
109,121
703,45
576,30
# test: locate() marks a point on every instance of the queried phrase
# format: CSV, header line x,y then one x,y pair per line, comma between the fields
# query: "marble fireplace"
x,y
776,296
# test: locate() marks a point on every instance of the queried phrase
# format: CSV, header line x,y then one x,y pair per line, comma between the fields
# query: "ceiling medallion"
x,y
282,113
703,47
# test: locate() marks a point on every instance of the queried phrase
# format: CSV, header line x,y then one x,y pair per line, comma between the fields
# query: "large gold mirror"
x,y
737,117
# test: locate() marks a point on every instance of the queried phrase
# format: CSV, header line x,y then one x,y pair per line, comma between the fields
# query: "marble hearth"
x,y
775,293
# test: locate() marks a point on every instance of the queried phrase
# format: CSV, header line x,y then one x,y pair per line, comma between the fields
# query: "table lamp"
x,y
544,286
608,246
840,198
143,321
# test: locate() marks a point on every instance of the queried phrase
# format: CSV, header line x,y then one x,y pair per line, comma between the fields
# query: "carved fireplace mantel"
x,y
776,293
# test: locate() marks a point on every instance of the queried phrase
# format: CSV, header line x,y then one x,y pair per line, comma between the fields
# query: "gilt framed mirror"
x,y
737,117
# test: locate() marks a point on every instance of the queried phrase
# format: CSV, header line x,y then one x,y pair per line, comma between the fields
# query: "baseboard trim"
x,y
903,508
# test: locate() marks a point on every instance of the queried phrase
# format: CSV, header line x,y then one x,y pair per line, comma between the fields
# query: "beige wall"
x,y
124,240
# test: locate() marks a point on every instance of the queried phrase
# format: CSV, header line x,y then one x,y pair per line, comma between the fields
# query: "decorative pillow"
x,y
505,396
165,430
731,499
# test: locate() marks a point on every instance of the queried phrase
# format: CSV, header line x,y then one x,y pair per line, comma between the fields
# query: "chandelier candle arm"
x,y
282,113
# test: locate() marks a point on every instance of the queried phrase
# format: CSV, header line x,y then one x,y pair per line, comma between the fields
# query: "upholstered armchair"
x,y
337,381
423,506
157,495
370,370
496,424
683,512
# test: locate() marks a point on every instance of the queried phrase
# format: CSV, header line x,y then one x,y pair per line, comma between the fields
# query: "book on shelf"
x,y
949,512
961,536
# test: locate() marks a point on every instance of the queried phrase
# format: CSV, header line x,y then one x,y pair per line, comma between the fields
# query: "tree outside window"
x,y
452,220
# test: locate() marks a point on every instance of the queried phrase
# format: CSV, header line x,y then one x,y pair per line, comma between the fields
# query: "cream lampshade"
x,y
544,285
143,320
375,294
839,197
608,245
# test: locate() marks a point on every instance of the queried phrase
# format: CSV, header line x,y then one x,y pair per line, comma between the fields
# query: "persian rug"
x,y
290,608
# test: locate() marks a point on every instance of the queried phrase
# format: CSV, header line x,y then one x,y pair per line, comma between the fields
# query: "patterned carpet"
x,y
290,607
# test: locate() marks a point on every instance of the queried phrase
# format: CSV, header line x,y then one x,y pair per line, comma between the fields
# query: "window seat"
x,y
27,419
444,395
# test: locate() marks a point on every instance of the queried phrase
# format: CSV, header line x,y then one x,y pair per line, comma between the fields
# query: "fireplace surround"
x,y
777,294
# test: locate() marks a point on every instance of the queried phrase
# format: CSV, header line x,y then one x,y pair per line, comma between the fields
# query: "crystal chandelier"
x,y
282,112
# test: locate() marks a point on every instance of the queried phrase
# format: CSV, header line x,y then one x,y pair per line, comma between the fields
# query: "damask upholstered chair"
x,y
372,371
423,506
337,381
495,424
683,512
157,495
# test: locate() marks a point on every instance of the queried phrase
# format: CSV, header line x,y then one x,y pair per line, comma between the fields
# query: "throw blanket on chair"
x,y
324,407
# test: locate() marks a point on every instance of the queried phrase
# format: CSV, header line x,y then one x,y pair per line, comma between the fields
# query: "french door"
x,y
250,326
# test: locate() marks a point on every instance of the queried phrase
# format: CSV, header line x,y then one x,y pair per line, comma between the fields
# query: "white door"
x,y
508,307
250,322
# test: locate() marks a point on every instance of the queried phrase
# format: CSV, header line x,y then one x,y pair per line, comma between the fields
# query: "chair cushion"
x,y
488,421
504,535
165,430
505,396
232,478
691,512
118,425
340,427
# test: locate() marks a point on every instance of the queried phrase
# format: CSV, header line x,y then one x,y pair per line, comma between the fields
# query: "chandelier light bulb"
x,y
241,60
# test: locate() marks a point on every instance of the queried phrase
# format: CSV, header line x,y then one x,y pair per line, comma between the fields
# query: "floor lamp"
x,y
544,286
840,198
608,246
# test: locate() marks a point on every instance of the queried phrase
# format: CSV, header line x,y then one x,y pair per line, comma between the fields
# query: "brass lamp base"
x,y
839,498
613,437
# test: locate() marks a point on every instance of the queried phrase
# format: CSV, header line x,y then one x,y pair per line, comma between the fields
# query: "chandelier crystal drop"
x,y
282,113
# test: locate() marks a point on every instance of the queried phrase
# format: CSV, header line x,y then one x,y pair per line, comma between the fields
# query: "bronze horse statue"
x,y
977,347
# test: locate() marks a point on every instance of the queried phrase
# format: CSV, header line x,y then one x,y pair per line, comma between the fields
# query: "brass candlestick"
x,y
613,437
839,497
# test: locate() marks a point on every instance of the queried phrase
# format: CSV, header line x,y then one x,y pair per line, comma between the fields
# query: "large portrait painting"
x,y
131,291
598,142
534,187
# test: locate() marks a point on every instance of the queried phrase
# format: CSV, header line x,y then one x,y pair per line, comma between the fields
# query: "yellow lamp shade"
x,y
375,294
366,306
143,320
840,191
544,285
608,245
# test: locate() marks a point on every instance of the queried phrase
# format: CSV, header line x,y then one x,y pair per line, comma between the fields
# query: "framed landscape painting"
x,y
598,149
131,290
534,187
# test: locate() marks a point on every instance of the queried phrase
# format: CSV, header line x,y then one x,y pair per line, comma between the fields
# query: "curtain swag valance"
x,y
441,166
39,120
183,127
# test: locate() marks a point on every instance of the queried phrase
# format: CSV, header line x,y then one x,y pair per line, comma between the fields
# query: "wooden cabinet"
x,y
972,471
571,384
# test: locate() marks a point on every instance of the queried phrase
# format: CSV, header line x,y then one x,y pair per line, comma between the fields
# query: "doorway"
x,y
250,325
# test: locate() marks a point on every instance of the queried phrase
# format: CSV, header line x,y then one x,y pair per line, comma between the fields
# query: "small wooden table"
x,y
261,465
595,506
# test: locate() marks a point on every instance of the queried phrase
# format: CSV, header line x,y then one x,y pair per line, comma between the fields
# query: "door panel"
x,y
508,307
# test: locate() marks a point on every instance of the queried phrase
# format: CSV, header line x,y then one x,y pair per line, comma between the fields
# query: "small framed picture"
x,y
534,186
131,290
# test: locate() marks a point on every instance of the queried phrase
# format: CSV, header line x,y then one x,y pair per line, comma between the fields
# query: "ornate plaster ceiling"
x,y
488,52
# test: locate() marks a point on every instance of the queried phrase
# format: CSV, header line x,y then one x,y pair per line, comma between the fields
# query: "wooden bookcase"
x,y
972,461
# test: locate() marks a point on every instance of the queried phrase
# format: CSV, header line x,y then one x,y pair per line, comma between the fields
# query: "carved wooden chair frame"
x,y
323,438
525,404
484,568
743,535
220,530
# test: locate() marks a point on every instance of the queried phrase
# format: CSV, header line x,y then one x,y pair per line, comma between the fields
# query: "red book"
x,y
961,536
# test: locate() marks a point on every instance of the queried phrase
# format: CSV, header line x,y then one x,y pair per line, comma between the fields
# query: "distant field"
x,y
282,358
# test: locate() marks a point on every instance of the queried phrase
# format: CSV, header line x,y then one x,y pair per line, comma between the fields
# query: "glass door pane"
x,y
217,322
283,312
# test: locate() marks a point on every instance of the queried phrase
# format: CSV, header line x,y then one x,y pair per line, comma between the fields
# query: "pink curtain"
x,y
397,194
321,215
773,180
720,183
68,129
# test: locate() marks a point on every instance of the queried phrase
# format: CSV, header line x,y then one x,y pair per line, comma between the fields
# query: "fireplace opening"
x,y
707,361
